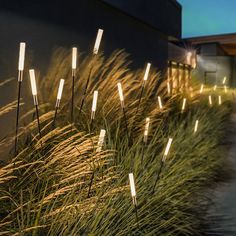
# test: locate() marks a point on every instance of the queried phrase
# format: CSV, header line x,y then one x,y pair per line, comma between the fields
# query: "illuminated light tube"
x,y
219,100
132,188
215,87
224,80
21,57
168,87
225,88
160,103
33,86
101,139
202,87
167,149
121,94
184,104
74,58
196,126
98,41
146,129
59,92
147,72
94,104
210,100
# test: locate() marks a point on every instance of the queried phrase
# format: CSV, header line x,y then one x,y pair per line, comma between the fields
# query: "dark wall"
x,y
165,15
44,25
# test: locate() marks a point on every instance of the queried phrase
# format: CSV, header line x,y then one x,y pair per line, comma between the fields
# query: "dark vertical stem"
x,y
143,149
37,114
91,126
126,126
85,90
55,117
158,176
136,214
72,98
17,114
90,184
140,98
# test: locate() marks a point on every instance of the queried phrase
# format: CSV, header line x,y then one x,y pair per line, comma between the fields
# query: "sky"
x,y
208,17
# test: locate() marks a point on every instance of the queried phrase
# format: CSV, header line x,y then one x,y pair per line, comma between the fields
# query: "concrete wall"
x,y
220,65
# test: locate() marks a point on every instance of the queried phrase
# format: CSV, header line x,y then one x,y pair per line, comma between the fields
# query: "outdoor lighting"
x,y
74,58
184,104
159,102
101,139
225,88
59,95
132,188
121,94
146,130
98,41
196,126
168,87
147,72
167,149
189,57
34,93
224,80
20,78
202,87
94,105
59,92
21,58
33,86
210,100
215,87
219,100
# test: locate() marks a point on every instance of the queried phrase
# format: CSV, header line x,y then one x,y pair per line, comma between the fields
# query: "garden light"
x,y
94,104
146,130
159,102
147,72
183,104
98,41
196,126
101,139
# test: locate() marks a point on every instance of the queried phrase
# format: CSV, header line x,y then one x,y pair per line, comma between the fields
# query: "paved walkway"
x,y
223,213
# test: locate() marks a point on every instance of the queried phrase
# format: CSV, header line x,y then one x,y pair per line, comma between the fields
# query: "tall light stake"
x,y
160,103
35,97
94,107
219,100
183,104
95,52
167,149
74,65
210,100
20,78
224,80
59,95
196,126
120,91
201,88
145,136
145,78
133,194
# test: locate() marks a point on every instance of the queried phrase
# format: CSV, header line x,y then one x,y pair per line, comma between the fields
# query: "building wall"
x,y
217,67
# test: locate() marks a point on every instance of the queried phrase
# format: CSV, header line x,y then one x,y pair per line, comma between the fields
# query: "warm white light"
x,y
95,98
60,89
98,41
215,87
224,80
146,129
225,88
167,149
202,87
210,99
219,100
147,72
21,57
74,58
101,139
33,82
160,103
132,188
196,126
189,57
120,92
184,104
168,87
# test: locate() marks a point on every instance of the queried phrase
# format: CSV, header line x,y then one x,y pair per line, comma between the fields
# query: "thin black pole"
x,y
126,125
140,98
72,97
136,214
55,117
37,114
85,90
90,184
20,77
158,176
91,126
